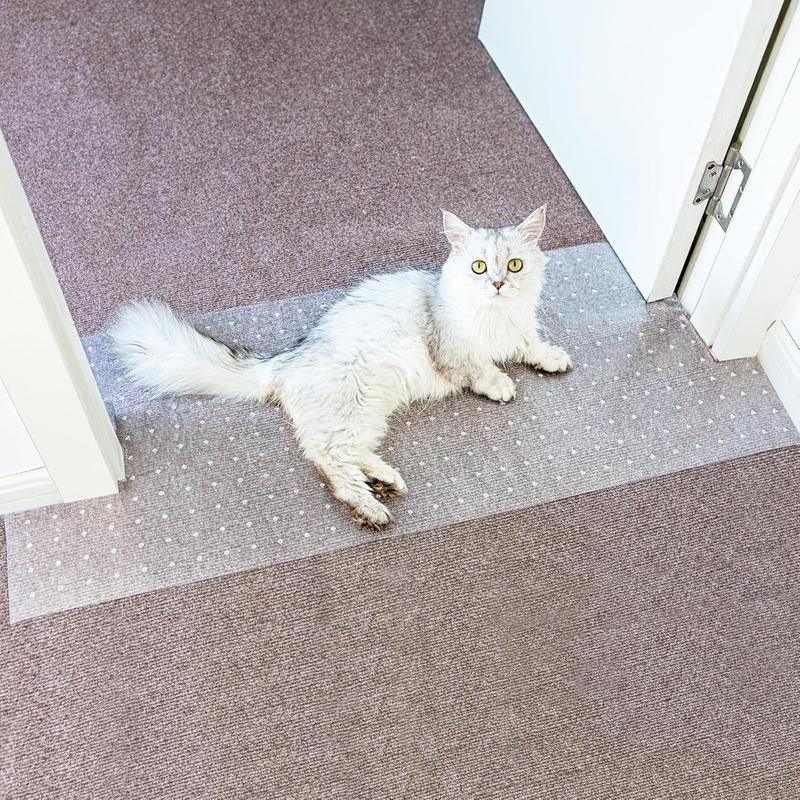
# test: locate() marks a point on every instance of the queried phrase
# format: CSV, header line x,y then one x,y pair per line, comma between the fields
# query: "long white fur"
x,y
393,340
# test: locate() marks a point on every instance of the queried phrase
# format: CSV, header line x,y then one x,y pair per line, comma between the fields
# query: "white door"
x,y
57,443
634,98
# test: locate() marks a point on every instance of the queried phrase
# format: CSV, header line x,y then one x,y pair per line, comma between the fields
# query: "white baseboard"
x,y
27,490
780,357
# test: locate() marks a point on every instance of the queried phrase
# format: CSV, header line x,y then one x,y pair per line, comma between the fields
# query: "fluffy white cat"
x,y
394,339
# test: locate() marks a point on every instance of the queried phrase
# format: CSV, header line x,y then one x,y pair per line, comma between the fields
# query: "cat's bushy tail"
x,y
167,355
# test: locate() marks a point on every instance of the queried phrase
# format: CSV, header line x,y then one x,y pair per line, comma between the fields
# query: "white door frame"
x,y
45,371
735,287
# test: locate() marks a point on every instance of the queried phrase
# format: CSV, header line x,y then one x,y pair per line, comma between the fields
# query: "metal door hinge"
x,y
713,183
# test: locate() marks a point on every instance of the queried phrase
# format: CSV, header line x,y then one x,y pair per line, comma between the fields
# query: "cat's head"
x,y
493,265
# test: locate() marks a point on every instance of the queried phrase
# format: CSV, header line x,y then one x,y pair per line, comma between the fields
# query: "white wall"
x,y
17,451
788,247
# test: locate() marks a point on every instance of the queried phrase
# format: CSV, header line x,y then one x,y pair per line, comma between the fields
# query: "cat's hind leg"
x,y
386,478
339,422
348,484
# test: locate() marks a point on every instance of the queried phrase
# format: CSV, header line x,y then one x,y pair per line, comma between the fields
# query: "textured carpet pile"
x,y
216,154
636,640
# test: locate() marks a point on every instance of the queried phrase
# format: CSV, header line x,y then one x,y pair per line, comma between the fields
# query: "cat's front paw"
x,y
553,359
499,388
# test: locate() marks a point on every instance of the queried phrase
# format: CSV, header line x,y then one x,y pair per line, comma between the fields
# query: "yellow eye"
x,y
479,267
515,265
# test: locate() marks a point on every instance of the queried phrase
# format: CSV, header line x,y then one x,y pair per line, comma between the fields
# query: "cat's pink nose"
x,y
498,285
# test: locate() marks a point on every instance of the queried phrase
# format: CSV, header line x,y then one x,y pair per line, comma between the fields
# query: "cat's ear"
x,y
456,231
530,229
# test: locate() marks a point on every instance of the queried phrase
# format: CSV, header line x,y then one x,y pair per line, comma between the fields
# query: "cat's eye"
x,y
515,265
479,267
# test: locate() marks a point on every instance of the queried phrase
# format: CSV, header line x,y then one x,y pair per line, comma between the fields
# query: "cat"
x,y
394,339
